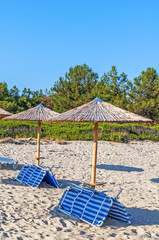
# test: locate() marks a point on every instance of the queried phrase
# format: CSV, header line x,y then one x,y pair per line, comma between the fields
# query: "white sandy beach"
x,y
30,213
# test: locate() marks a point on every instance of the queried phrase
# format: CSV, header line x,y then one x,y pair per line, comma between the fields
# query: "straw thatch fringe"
x,y
98,111
4,113
38,113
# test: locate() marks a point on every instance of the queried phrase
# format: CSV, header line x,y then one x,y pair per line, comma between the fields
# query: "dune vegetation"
x,y
79,131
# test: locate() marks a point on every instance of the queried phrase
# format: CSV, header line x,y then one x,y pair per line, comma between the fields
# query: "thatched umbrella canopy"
x,y
98,111
38,113
4,113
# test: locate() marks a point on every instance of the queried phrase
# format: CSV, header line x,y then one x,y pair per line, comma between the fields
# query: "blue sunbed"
x,y
92,206
6,161
33,175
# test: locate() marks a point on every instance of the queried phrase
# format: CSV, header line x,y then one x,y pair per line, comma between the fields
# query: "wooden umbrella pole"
x,y
38,143
95,154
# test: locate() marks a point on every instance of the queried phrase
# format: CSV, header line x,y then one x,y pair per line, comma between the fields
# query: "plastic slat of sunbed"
x,y
33,175
119,212
88,205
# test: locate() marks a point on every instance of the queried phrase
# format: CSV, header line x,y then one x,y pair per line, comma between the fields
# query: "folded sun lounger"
x,y
33,175
6,161
92,206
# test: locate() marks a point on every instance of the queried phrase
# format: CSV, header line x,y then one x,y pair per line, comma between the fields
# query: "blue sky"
x,y
41,39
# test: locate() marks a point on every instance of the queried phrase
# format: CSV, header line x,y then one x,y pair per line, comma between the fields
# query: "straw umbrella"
x,y
98,111
4,113
38,113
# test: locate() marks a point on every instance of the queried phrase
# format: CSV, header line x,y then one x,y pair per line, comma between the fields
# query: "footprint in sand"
x,y
63,223
59,229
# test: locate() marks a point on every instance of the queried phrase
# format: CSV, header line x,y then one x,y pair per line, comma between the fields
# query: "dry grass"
x,y
60,141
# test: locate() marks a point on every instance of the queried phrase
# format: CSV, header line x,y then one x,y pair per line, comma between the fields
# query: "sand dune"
x,y
30,213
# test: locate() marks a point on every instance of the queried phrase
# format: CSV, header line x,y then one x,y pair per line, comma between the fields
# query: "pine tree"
x,y
74,89
113,88
144,94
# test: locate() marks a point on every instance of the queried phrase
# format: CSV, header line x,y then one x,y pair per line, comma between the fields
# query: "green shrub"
x,y
79,131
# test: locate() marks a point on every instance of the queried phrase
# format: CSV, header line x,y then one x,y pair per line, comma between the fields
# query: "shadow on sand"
x,y
155,180
144,216
65,183
62,183
12,181
119,168
140,217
